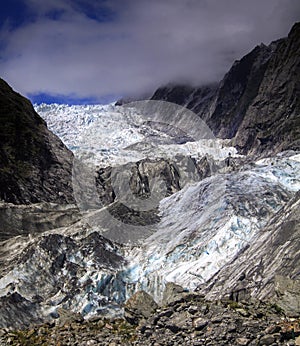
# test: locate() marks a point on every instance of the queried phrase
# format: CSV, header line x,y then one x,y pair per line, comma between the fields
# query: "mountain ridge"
x,y
259,92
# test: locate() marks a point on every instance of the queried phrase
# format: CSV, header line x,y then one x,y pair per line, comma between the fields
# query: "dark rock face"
x,y
257,102
142,179
198,99
272,121
35,165
237,90
141,174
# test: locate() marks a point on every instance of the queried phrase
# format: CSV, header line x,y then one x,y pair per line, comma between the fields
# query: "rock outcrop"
x,y
257,103
37,218
35,165
139,307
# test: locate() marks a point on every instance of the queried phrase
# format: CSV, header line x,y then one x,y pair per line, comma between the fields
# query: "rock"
x,y
178,322
35,165
2,332
288,292
242,341
297,341
267,340
200,323
172,293
272,329
140,305
273,107
193,309
36,218
243,312
66,316
253,104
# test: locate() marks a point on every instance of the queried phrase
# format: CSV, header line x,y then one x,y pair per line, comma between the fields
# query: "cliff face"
x,y
34,164
198,99
272,120
257,102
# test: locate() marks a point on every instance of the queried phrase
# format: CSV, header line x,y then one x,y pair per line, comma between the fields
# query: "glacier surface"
x,y
202,227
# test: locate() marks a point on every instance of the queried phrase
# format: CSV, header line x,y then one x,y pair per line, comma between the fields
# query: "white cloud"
x,y
145,44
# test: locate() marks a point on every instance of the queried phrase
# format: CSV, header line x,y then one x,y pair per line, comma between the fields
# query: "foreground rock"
x,y
190,321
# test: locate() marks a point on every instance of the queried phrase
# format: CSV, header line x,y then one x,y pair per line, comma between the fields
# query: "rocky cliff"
x,y
35,165
257,103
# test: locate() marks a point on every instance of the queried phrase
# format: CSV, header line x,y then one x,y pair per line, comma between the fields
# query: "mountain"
x,y
35,165
257,104
173,241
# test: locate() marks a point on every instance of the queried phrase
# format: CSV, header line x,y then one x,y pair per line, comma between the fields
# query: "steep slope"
x,y
198,99
34,164
257,103
269,267
272,121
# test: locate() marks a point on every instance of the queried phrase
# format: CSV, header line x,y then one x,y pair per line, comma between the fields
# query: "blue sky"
x,y
89,51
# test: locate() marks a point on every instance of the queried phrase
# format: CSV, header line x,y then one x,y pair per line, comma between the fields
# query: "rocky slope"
x,y
257,103
186,320
35,165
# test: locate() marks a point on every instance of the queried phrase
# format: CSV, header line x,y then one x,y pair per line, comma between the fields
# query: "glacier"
x,y
111,135
202,227
205,225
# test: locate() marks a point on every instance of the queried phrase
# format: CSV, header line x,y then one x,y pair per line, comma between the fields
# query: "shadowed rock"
x,y
35,165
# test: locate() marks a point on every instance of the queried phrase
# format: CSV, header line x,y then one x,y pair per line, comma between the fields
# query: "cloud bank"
x,y
93,49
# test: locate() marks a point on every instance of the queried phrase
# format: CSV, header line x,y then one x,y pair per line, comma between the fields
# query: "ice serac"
x,y
43,274
35,165
257,102
206,225
269,268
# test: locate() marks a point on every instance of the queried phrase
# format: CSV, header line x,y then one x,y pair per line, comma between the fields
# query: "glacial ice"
x,y
107,135
205,225
202,227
